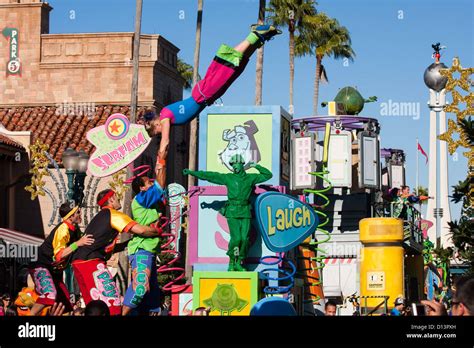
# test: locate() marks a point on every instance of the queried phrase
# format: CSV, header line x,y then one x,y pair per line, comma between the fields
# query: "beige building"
x,y
56,87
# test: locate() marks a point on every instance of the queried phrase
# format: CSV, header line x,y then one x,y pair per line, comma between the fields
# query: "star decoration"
x,y
117,184
448,137
463,81
39,163
470,157
455,127
457,99
114,127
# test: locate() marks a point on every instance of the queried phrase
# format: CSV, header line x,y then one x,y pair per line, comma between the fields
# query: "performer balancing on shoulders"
x,y
226,66
91,272
143,292
53,257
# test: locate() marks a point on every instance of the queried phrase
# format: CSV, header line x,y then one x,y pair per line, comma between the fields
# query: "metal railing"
x,y
411,222
365,310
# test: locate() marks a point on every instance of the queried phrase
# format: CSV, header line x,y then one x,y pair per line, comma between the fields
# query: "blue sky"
x,y
392,40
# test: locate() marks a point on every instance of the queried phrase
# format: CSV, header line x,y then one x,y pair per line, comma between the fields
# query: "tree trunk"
x,y
316,85
193,129
259,68
122,263
134,97
292,70
194,124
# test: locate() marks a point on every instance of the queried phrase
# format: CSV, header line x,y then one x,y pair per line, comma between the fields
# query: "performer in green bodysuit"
x,y
237,208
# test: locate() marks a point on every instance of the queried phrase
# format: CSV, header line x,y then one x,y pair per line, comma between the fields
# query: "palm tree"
x,y
259,67
193,127
461,231
422,191
323,37
186,71
296,15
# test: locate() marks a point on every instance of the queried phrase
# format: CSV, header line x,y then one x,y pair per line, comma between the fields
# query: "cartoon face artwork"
x,y
241,141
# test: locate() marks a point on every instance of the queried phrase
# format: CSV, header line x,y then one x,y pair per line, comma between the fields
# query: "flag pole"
x,y
417,167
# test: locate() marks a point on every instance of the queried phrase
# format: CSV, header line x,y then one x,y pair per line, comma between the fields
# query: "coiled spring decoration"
x,y
286,267
313,245
167,248
169,267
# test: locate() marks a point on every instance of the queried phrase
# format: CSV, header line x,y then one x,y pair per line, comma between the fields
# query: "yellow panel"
x,y
381,230
243,287
382,273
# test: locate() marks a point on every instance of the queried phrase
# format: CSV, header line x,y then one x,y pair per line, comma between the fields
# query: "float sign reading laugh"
x,y
284,221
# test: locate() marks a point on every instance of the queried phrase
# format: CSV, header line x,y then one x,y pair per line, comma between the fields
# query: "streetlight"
x,y
75,164
81,168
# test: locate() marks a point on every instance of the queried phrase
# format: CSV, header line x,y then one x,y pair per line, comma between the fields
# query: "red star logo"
x,y
114,127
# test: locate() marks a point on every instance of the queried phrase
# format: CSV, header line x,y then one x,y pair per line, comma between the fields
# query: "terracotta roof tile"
x,y
59,130
8,141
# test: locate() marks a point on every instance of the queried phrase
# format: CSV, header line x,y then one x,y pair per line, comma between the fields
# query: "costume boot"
x,y
238,265
231,267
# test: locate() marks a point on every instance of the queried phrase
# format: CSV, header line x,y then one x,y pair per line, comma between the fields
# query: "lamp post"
x,y
81,169
70,159
75,164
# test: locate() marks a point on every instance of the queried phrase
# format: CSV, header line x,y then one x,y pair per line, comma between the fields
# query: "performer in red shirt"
x,y
91,272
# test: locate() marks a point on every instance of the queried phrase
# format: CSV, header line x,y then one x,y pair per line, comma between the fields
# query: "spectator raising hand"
x,y
56,310
434,308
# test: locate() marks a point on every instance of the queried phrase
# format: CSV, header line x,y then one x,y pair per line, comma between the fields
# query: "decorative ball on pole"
x,y
433,79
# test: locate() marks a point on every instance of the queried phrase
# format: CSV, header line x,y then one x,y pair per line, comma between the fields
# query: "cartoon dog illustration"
x,y
241,140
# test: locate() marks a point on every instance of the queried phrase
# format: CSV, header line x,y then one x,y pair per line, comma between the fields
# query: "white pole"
x,y
445,238
417,184
432,170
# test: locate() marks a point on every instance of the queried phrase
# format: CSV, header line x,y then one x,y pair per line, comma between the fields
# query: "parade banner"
x,y
118,143
284,221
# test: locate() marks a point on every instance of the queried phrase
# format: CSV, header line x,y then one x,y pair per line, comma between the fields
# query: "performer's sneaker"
x,y
265,31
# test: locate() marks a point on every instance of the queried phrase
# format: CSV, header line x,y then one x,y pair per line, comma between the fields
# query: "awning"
x,y
15,237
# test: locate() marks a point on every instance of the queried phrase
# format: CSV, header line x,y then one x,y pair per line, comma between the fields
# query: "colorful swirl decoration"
x,y
167,248
285,267
316,262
